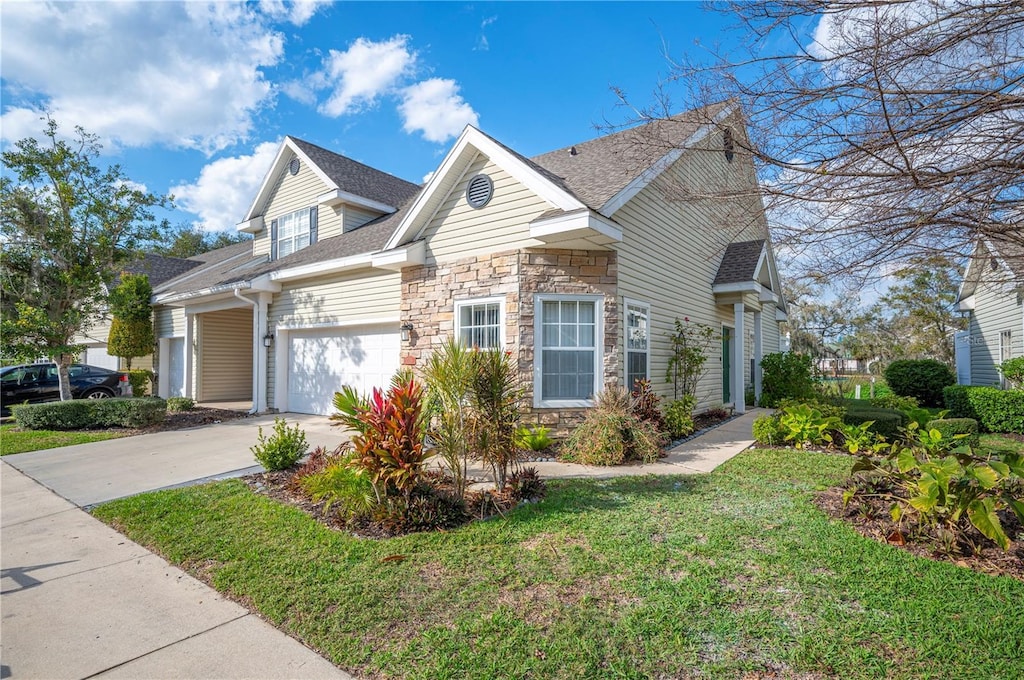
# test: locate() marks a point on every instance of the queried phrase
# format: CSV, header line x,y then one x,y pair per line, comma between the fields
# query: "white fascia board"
x,y
337,196
737,287
334,266
412,254
251,226
650,174
767,295
530,178
781,315
960,292
176,299
966,304
579,223
277,167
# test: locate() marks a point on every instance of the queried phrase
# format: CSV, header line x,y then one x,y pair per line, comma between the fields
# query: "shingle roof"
x,y
160,268
1011,253
356,178
602,167
739,264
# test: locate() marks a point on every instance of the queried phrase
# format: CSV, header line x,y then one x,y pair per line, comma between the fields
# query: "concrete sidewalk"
x,y
80,601
89,474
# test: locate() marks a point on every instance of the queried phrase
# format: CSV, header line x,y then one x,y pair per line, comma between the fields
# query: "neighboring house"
x,y
576,262
991,293
159,269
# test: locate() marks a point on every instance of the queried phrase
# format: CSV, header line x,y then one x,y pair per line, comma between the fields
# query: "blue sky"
x,y
194,98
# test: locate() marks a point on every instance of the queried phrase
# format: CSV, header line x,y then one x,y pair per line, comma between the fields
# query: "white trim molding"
x,y
578,224
337,197
538,349
470,302
646,307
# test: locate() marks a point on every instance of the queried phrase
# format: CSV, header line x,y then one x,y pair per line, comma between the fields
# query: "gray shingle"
x,y
160,268
356,178
739,264
602,167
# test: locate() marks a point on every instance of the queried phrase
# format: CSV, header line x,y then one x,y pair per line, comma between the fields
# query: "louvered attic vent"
x,y
479,191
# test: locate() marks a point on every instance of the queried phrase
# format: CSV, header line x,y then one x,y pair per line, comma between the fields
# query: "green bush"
x,y
679,416
342,487
895,402
80,414
282,449
768,431
827,408
995,410
178,404
950,427
140,380
1013,371
804,425
887,422
786,375
923,379
612,434
535,438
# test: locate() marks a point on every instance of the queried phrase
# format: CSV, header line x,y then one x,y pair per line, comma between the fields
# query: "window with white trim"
x,y
293,232
480,323
568,337
638,342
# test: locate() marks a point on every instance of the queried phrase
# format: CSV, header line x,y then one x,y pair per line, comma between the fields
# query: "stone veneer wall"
x,y
429,293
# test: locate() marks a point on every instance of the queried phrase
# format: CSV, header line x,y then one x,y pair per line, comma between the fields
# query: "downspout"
x,y
257,343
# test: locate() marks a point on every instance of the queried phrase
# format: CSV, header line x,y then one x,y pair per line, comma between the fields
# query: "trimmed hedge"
x,y
949,427
995,410
923,379
80,414
887,422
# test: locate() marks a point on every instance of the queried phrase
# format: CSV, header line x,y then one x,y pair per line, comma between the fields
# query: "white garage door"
x,y
320,362
96,355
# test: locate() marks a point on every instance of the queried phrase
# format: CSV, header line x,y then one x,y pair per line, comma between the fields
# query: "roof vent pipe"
x,y
573,151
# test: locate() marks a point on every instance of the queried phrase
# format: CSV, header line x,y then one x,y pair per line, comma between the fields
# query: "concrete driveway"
x,y
88,474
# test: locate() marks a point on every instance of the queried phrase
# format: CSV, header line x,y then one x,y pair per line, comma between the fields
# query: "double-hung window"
x,y
293,232
480,323
568,352
638,342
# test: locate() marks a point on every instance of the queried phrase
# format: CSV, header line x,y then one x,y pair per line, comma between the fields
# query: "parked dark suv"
x,y
38,382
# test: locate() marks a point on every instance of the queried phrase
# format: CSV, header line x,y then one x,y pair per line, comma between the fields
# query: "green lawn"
x,y
13,440
718,575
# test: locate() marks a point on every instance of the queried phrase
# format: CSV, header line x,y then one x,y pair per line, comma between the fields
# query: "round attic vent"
x,y
479,191
293,167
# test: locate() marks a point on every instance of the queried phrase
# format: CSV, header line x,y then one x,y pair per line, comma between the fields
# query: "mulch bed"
x,y
197,417
870,518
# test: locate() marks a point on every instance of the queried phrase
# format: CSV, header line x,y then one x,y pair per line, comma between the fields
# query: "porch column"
x,y
758,353
190,351
738,360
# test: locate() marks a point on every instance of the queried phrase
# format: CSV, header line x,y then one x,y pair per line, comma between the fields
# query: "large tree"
x,y
68,227
188,240
882,130
131,328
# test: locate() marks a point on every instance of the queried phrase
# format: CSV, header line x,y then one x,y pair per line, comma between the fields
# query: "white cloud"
x,y
429,176
482,43
363,72
435,108
298,12
226,188
137,73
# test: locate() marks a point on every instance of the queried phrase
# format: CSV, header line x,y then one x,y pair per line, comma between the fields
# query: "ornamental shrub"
x,y
612,434
140,380
768,431
923,379
894,401
178,404
887,422
282,449
679,417
80,414
1013,371
950,427
995,410
786,375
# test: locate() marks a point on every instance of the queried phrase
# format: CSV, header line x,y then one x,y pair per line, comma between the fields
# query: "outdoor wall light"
x,y
267,339
406,331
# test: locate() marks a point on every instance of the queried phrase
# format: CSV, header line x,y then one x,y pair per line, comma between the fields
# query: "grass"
x,y
13,440
720,575
998,443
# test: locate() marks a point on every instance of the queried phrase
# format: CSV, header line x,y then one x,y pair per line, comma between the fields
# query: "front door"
x,y
726,364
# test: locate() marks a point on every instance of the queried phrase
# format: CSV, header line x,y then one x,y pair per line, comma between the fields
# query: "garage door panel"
x,y
321,362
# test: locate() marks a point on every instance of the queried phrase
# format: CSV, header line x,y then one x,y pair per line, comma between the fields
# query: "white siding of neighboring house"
x,y
346,299
997,308
677,245
294,192
169,322
458,230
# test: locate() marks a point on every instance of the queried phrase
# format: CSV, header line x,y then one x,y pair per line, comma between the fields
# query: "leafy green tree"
x,y
131,330
66,228
187,240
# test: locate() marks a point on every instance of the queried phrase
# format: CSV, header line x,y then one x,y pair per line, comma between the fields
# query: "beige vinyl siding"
x,y
169,322
672,248
769,331
291,193
97,331
225,355
356,217
997,308
458,230
345,299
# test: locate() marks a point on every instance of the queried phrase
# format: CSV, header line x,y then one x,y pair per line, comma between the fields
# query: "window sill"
x,y
565,403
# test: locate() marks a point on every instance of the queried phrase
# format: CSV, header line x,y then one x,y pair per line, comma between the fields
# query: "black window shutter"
x,y
273,239
312,225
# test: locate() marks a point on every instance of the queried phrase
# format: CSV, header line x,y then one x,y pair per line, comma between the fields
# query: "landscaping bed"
x,y
736,573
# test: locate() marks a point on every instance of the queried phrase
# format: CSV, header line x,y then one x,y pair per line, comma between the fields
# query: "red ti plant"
x,y
389,445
